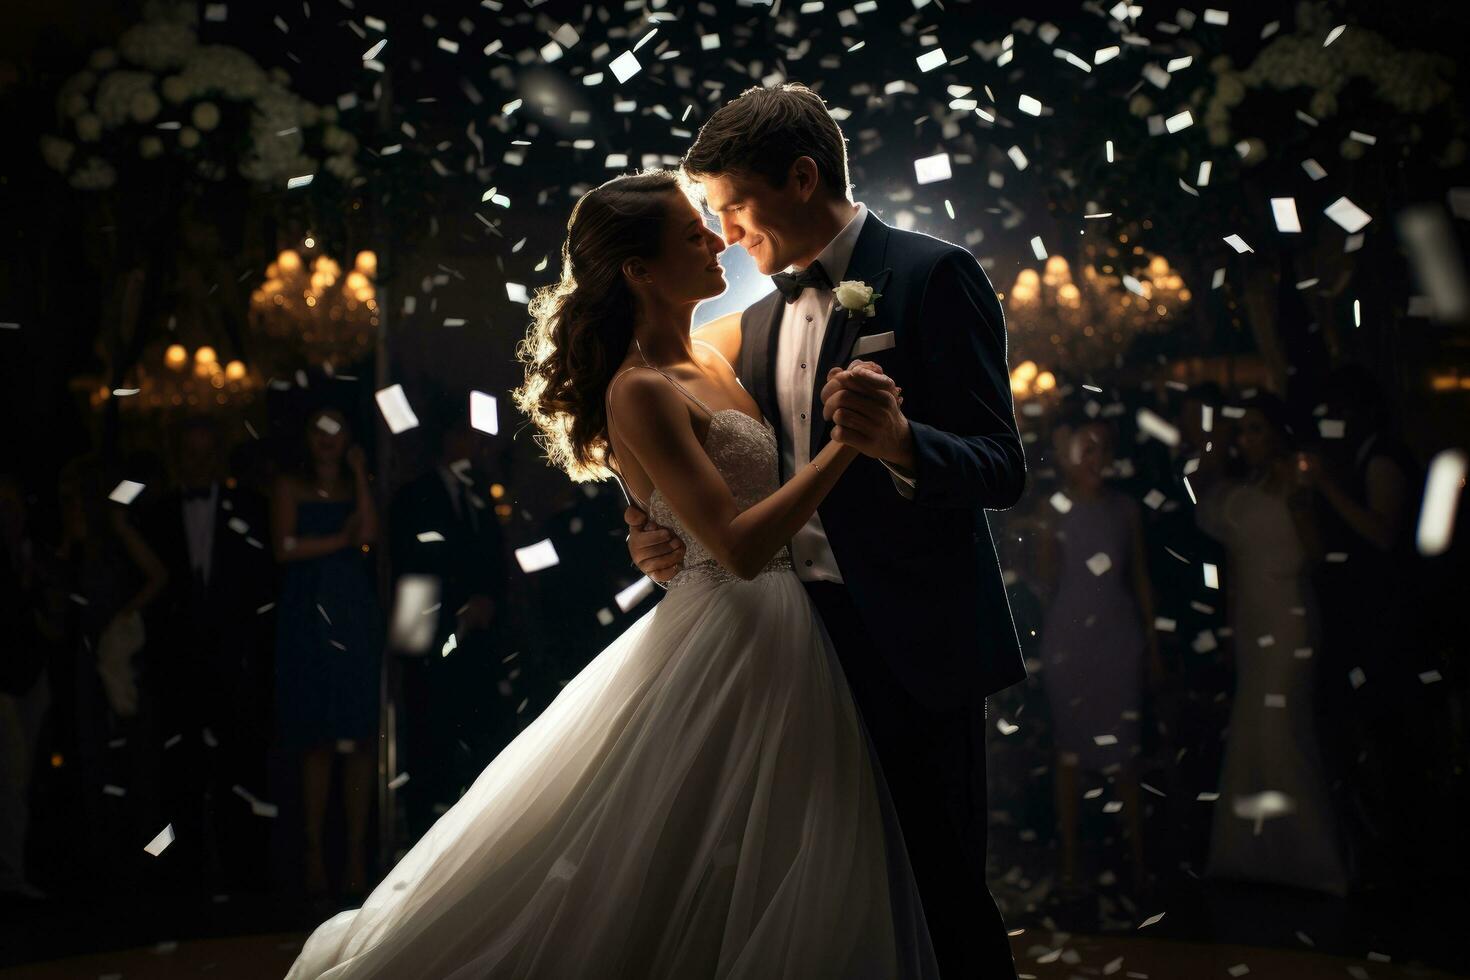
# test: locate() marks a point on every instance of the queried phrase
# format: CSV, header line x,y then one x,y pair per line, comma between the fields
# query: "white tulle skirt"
x,y
700,801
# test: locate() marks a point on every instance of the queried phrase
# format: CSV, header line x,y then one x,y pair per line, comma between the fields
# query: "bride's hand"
x,y
865,407
657,551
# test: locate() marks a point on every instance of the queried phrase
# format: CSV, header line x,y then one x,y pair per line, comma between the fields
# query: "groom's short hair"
x,y
763,131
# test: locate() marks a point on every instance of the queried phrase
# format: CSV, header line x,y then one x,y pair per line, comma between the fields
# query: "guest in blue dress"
x,y
329,636
1096,635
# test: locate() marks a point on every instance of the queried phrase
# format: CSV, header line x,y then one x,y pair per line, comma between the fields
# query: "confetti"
x,y
538,556
412,628
1238,243
1283,209
1099,563
1154,425
1442,490
1029,105
161,842
483,415
1439,266
125,492
635,593
296,182
1061,502
1212,575
930,60
393,403
1038,248
1019,158
625,66
1152,920
1347,214
928,170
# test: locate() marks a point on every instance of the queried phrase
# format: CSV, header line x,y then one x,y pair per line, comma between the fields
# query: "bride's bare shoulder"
x,y
723,334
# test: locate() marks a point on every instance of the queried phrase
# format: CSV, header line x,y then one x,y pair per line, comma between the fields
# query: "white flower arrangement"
x,y
1409,82
158,71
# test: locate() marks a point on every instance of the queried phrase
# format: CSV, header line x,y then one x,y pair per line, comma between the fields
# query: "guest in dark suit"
x,y
454,720
215,669
899,559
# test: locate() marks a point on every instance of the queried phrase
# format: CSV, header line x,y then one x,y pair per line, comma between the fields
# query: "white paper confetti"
x,y
1154,425
161,842
625,66
483,415
1178,121
927,170
1099,563
1212,575
393,403
1442,491
125,492
1283,209
1061,502
412,627
1238,243
635,593
538,556
1347,214
930,60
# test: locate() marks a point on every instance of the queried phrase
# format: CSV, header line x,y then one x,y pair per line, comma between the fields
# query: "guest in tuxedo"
x,y
216,666
453,720
329,636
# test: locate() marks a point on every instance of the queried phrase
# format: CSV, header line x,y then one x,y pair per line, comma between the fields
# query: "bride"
x,y
701,800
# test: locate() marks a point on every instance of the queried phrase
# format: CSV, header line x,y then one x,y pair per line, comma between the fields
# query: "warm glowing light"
x,y
1158,266
1028,278
1045,381
496,491
205,355
235,370
176,356
288,262
367,263
1026,370
356,281
310,243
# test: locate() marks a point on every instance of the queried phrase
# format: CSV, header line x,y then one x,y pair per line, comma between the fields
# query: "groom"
x,y
898,560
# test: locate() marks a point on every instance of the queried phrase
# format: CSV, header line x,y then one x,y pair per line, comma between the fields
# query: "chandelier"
x,y
311,312
1089,325
169,377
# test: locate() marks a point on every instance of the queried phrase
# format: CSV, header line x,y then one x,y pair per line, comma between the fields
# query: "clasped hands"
x,y
863,405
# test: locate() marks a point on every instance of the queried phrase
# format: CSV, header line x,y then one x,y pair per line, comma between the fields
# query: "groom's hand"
x,y
657,551
865,407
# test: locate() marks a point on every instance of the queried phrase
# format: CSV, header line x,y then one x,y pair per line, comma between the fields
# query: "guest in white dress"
x,y
1273,821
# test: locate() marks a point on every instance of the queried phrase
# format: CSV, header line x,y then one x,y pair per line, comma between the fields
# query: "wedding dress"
x,y
700,801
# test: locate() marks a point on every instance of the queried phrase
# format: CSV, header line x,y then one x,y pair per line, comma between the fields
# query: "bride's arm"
x,y
653,422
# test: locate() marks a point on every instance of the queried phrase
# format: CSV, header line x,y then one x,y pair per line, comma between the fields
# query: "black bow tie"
x,y
194,493
791,285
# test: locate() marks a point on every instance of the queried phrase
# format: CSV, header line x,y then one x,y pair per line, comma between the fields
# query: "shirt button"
x,y
808,563
803,416
808,318
803,366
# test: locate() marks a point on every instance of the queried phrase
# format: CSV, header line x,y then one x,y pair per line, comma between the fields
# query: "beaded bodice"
x,y
744,451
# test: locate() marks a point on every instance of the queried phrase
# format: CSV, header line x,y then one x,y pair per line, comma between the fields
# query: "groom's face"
x,y
763,220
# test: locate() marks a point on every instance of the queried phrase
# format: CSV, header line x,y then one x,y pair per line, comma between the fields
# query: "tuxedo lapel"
x,y
866,265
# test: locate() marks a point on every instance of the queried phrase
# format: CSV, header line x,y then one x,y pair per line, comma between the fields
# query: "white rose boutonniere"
x,y
856,297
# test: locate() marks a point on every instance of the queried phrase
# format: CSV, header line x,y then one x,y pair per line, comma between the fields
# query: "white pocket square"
x,y
873,343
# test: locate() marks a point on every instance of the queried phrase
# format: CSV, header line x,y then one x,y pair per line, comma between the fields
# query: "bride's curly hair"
x,y
581,326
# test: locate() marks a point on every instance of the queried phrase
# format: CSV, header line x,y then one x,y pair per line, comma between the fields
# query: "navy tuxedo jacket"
x,y
923,572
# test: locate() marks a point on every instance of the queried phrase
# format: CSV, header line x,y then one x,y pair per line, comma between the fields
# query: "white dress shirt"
x,y
798,346
199,523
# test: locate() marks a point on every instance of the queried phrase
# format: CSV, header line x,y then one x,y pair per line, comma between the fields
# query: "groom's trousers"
x,y
934,764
